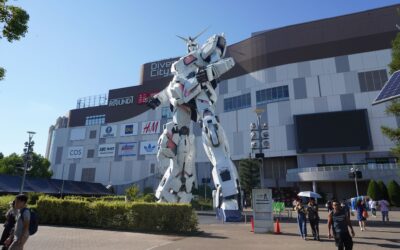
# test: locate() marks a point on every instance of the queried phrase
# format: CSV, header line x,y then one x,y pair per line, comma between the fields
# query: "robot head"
x,y
191,42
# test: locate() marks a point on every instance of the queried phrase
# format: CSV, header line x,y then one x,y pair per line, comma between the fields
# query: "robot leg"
x,y
186,151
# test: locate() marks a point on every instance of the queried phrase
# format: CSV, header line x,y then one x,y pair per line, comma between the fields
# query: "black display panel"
x,y
333,132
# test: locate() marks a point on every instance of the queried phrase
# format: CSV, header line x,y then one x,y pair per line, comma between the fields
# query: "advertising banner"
x,y
148,147
108,131
150,127
129,129
106,150
127,149
75,152
77,134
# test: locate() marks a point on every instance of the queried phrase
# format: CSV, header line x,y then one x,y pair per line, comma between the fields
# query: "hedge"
x,y
133,216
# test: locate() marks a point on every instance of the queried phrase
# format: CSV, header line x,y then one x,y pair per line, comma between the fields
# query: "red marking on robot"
x,y
189,59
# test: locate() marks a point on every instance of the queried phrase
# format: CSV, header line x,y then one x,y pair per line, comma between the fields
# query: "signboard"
x,y
262,210
150,127
77,134
129,129
108,131
127,149
143,96
106,150
148,147
75,152
120,101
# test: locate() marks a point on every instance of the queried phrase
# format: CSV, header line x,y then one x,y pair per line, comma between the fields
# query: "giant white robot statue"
x,y
191,95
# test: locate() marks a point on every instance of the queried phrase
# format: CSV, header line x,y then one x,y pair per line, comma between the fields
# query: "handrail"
x,y
362,167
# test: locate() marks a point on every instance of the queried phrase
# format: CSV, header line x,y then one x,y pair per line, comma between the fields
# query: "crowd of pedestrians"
x,y
339,214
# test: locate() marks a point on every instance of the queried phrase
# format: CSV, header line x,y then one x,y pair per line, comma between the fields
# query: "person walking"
x,y
372,206
340,221
21,230
361,214
301,218
9,224
384,206
313,218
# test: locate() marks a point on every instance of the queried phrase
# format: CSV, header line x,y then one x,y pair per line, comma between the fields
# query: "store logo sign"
x,y
120,101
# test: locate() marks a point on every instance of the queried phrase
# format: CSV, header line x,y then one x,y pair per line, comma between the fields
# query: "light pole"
x,y
354,174
259,140
27,157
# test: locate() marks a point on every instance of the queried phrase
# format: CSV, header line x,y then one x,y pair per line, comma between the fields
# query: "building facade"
x,y
315,83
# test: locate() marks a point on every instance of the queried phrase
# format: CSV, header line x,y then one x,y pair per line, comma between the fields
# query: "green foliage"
x,y
132,192
384,192
13,23
2,73
33,197
148,190
200,191
395,63
135,216
373,190
150,197
394,193
249,174
4,206
14,165
202,204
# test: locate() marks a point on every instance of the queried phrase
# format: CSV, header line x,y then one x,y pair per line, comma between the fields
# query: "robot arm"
x,y
215,70
154,101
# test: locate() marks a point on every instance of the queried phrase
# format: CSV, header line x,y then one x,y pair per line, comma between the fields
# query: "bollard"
x,y
277,227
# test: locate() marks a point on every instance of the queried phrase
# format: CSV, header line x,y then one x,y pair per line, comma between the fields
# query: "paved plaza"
x,y
215,235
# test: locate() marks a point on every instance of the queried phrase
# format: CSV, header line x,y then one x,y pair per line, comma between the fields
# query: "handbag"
x,y
365,214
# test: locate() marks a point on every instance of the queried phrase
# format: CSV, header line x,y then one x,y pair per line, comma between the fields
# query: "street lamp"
x,y
28,150
259,137
354,174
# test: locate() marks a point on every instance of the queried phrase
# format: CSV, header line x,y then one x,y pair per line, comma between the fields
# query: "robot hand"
x,y
152,102
201,76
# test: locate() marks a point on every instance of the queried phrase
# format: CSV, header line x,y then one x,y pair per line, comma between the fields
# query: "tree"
x,y
1,155
249,174
384,192
394,108
14,24
132,193
14,165
373,190
394,193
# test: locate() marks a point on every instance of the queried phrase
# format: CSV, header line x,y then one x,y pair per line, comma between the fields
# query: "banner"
x,y
75,152
129,129
108,131
106,150
148,147
127,149
77,134
150,127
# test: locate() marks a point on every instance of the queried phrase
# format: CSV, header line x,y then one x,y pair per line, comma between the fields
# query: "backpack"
x,y
33,223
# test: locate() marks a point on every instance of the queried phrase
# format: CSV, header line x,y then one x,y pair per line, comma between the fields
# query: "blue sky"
x,y
77,48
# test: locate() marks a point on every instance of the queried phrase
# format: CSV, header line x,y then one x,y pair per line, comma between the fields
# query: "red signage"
x,y
143,96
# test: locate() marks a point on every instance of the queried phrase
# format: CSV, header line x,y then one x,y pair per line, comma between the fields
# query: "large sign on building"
x,y
75,152
150,127
127,149
120,101
108,131
106,150
148,147
129,129
77,134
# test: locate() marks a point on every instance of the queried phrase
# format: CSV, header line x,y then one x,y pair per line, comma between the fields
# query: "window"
x,y
90,153
166,113
88,174
92,134
152,168
372,80
276,94
237,102
95,119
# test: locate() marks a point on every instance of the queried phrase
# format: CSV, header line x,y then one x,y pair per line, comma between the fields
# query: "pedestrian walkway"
x,y
214,235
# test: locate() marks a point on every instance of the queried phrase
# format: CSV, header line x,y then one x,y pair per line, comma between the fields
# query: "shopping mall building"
x,y
315,83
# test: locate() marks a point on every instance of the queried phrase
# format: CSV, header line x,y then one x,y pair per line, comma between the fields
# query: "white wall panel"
x,y
338,84
281,73
326,85
355,62
370,60
292,71
316,67
312,87
334,103
329,65
273,116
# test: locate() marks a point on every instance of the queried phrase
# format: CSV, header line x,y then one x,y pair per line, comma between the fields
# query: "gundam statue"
x,y
191,95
